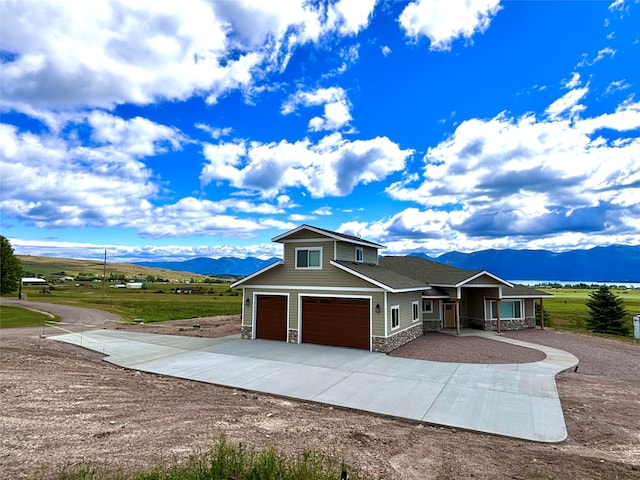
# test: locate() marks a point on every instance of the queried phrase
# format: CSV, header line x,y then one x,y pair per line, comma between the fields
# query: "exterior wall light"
x,y
377,308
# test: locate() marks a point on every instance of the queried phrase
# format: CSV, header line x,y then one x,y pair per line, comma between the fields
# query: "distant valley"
x,y
601,264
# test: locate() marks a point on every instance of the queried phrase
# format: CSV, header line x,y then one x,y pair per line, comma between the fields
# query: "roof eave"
x,y
255,274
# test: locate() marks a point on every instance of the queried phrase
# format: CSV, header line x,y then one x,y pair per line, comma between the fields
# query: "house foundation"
x,y
385,345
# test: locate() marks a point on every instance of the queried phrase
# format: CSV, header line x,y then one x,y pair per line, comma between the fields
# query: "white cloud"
x,y
573,82
68,55
605,52
53,181
567,104
386,51
334,101
215,132
443,21
324,211
129,254
332,167
522,178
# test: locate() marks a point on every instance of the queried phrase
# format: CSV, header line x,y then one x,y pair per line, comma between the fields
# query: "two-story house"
x,y
333,289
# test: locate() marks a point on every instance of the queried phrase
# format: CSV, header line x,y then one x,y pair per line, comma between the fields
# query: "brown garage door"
x,y
271,317
342,322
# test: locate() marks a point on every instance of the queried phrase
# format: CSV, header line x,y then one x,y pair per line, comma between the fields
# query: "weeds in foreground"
x,y
225,461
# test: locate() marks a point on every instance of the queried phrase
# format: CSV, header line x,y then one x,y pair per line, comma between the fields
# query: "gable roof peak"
x,y
327,233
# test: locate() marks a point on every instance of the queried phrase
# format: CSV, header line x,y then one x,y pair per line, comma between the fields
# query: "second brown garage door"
x,y
271,317
341,322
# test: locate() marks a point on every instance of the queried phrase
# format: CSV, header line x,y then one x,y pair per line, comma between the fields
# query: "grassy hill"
x,y
54,267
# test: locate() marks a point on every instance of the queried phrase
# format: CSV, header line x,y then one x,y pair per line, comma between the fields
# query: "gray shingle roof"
x,y
394,281
436,273
428,271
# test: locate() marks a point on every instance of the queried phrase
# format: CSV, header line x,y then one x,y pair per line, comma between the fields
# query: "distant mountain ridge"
x,y
215,266
615,263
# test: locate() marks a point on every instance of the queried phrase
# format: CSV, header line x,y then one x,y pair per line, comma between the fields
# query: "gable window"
x,y
395,317
427,306
359,254
415,307
508,309
309,258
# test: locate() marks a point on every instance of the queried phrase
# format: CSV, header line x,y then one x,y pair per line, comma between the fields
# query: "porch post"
x,y
457,316
498,314
541,314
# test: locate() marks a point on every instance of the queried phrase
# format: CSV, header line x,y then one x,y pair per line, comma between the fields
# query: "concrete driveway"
x,y
515,400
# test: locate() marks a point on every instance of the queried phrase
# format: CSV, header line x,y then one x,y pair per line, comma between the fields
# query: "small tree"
x,y
10,268
547,316
606,313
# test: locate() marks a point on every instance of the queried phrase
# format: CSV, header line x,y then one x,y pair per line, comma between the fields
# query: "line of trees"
x,y
10,267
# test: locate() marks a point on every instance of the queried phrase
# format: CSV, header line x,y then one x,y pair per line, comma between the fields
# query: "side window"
x,y
395,317
359,254
415,306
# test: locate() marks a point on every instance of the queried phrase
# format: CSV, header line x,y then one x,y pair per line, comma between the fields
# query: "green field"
x,y
158,302
11,317
568,308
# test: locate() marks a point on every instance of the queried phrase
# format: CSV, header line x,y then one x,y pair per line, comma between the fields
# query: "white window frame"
x,y
415,311
494,302
427,302
309,249
359,254
396,309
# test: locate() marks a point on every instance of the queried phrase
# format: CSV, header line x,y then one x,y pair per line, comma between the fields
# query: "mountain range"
x,y
615,263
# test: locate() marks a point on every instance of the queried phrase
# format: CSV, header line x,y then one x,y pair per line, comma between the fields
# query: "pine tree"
x,y
10,268
606,313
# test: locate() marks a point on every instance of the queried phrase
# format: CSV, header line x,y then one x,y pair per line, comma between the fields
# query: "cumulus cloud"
x,y
332,167
532,177
51,180
60,54
129,254
334,101
444,21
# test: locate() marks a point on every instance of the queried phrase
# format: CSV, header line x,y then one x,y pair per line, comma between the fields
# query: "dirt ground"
x,y
63,405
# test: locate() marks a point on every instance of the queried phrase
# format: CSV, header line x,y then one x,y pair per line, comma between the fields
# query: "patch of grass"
x,y
13,317
569,311
157,303
224,461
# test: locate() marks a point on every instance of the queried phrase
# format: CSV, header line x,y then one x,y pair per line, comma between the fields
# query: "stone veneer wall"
x,y
385,345
246,332
521,324
430,325
293,336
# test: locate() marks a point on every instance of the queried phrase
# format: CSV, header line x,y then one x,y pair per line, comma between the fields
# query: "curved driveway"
x,y
516,400
74,319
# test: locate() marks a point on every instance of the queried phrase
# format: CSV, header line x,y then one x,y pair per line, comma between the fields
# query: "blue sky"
x,y
169,130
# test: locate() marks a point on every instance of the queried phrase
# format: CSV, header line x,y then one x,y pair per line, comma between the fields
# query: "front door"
x,y
449,315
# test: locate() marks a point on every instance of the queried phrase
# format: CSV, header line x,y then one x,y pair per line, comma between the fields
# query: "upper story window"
x,y
359,254
309,257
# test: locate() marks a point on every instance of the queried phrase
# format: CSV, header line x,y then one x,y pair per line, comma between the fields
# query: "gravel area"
x,y
598,356
442,347
64,406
